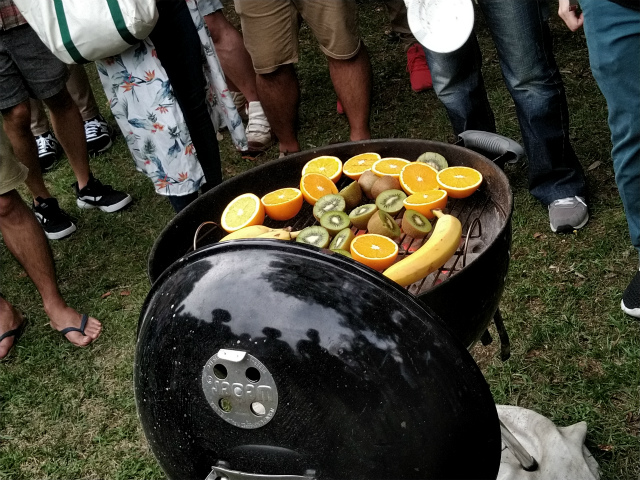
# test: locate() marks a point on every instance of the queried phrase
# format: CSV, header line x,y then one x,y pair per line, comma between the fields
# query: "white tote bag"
x,y
80,31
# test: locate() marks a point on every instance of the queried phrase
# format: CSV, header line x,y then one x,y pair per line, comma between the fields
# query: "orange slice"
x,y
356,166
328,166
426,202
376,251
459,182
282,204
316,185
389,166
418,177
241,212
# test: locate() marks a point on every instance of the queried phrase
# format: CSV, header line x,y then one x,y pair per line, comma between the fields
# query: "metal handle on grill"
x,y
222,471
505,149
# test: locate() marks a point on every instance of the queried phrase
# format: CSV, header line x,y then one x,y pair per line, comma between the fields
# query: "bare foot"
x,y
10,319
67,317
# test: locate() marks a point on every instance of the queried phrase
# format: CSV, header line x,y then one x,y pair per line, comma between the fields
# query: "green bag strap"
x,y
118,20
66,36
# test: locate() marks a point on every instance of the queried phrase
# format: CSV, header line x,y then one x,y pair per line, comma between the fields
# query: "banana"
x,y
247,232
440,247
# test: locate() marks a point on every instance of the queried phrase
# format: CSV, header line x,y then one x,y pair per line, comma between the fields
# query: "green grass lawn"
x,y
69,413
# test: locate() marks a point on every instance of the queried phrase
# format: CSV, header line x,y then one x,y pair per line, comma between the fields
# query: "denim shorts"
x,y
27,68
12,172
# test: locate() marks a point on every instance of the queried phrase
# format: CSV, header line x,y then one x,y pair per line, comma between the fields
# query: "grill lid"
x,y
357,379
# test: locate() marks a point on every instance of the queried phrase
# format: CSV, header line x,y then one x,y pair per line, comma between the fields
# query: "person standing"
x,y
96,129
171,102
26,241
522,37
241,79
419,73
270,30
612,29
28,68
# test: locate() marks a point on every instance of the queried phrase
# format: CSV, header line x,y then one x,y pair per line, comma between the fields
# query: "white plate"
x,y
441,25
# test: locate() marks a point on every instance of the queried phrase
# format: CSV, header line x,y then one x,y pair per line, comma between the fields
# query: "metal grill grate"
x,y
471,211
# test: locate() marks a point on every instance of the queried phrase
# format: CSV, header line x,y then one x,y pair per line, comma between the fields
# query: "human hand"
x,y
570,15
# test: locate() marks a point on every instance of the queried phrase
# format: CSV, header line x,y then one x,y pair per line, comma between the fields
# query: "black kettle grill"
x,y
261,359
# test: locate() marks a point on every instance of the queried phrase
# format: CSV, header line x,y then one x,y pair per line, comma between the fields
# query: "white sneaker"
x,y
258,129
97,134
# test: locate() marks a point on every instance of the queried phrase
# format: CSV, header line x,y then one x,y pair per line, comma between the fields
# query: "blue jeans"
x,y
613,38
523,40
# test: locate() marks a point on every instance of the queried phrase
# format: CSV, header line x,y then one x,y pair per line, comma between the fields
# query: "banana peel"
x,y
260,231
247,232
280,234
438,249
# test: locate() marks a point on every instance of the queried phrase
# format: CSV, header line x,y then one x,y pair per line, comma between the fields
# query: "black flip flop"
x,y
83,324
16,333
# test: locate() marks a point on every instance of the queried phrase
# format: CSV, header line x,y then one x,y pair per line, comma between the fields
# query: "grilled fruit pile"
x,y
391,198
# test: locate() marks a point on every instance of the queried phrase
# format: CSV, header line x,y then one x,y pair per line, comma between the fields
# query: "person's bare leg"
x,y
279,94
10,319
17,125
234,58
352,82
69,129
26,241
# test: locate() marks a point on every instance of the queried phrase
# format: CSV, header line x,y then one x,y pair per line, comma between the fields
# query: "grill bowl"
x,y
465,297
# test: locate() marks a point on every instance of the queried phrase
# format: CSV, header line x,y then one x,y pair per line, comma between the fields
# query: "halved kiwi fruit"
x,y
390,201
366,181
433,159
415,224
383,224
360,216
352,195
386,182
335,221
329,203
314,235
342,240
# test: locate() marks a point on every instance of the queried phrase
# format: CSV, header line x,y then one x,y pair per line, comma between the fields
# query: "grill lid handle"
x,y
223,472
493,144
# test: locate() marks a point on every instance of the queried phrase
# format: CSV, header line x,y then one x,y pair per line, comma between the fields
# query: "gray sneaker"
x,y
568,214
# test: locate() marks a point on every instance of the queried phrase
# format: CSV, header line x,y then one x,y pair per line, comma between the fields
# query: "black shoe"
x,y
631,298
104,197
98,136
48,151
55,222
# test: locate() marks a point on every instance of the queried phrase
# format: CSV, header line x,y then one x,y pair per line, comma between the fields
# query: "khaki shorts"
x,y
12,172
270,29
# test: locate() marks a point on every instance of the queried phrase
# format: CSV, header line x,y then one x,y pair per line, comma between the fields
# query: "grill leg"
x,y
505,345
